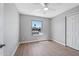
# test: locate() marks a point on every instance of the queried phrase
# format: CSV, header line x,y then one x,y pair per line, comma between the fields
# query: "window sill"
x,y
40,34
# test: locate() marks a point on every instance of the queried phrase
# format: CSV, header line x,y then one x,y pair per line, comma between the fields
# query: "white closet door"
x,y
77,31
73,31
69,31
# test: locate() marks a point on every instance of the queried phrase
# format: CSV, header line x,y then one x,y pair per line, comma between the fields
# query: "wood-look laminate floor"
x,y
45,48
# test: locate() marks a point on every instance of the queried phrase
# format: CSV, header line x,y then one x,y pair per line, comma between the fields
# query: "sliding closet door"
x,y
69,31
73,31
77,31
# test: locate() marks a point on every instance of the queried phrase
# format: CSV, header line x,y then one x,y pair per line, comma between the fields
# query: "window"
x,y
36,27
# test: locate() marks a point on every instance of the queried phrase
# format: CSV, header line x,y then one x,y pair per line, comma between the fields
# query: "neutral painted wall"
x,y
26,29
1,27
58,25
58,29
11,28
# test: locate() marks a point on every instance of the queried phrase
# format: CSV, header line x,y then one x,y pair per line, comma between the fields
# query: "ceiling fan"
x,y
44,8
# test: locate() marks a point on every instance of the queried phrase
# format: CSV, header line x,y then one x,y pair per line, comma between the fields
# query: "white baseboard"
x,y
15,50
31,41
58,42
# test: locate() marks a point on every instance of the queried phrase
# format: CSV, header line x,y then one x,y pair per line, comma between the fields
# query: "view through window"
x,y
36,27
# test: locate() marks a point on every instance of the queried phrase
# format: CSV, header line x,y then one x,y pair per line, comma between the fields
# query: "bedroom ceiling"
x,y
36,9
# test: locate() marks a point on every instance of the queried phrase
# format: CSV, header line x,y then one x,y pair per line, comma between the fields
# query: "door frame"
x,y
65,30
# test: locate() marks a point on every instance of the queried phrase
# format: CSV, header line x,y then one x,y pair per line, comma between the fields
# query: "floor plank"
x,y
45,48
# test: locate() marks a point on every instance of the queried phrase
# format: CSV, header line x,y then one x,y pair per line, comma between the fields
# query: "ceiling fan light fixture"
x,y
45,8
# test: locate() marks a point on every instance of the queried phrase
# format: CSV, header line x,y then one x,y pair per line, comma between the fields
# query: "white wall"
x,y
58,25
58,29
11,28
26,29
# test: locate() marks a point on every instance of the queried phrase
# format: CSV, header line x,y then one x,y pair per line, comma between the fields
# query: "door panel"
x,y
73,32
1,28
69,31
77,31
